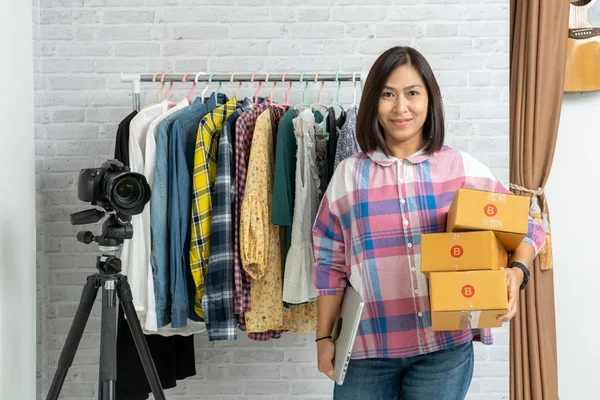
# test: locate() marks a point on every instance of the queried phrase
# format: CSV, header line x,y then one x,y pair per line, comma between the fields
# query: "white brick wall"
x,y
82,45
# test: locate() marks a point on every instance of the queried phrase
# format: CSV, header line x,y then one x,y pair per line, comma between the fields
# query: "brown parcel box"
x,y
461,251
465,300
478,210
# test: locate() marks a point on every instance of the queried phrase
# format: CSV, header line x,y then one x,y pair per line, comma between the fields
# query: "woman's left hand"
x,y
514,278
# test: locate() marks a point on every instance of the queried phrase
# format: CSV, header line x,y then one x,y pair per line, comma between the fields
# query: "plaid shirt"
x,y
219,286
244,130
368,233
205,171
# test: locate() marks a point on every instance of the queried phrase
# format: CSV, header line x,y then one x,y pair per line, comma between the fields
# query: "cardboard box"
x,y
462,251
478,210
466,300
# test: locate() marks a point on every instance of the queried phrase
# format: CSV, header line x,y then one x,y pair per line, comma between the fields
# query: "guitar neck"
x,y
583,33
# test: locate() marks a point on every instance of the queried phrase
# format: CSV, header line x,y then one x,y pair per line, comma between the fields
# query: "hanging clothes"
x,y
321,152
347,143
333,127
205,171
244,132
299,284
260,247
173,356
218,299
284,187
182,144
122,141
153,159
134,254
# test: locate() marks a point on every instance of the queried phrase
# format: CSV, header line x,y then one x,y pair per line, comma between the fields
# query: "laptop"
x,y
344,331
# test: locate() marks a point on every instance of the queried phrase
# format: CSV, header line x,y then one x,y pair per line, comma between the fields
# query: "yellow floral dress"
x,y
260,244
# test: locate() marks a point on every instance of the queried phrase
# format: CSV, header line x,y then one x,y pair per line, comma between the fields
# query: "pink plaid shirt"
x,y
368,233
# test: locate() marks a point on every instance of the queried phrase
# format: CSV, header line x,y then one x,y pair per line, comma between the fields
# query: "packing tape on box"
x,y
497,197
469,319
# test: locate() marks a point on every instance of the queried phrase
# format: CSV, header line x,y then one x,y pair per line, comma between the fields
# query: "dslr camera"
x,y
114,187
118,191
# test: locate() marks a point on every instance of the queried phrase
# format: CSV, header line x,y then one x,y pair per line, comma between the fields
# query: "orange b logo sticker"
x,y
468,291
456,251
490,210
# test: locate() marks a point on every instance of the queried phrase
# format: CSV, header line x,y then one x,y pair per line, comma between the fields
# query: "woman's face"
x,y
402,108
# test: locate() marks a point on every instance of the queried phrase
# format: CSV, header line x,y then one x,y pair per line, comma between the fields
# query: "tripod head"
x,y
115,229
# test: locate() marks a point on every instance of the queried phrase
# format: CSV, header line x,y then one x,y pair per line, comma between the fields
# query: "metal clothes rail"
x,y
136,79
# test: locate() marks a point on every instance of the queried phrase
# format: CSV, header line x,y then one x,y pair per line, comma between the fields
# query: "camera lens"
x,y
128,192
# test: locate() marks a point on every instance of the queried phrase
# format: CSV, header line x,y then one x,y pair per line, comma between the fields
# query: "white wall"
x,y
573,197
17,206
84,44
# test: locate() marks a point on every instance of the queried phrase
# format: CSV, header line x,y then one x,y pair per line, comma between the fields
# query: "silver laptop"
x,y
344,331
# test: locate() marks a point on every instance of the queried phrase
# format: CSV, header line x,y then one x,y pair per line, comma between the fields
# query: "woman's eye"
x,y
413,93
387,94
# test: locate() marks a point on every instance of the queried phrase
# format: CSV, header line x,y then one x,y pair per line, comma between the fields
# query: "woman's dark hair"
x,y
369,132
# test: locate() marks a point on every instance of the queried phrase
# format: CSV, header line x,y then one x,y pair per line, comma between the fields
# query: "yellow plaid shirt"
x,y
205,171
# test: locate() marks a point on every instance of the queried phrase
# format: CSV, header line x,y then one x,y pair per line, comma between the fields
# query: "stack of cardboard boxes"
x,y
467,286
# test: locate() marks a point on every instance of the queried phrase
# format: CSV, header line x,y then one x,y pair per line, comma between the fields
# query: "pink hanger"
x,y
189,96
162,81
287,92
257,90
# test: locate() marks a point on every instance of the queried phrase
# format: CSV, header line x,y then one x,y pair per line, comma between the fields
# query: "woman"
x,y
367,234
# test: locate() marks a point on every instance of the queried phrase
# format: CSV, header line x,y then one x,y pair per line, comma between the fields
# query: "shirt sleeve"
x,y
480,177
255,216
330,275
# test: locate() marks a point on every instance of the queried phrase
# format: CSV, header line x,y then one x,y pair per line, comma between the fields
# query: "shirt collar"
x,y
380,158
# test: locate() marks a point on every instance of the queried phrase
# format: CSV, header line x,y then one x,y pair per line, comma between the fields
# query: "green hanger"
x,y
216,91
304,103
337,96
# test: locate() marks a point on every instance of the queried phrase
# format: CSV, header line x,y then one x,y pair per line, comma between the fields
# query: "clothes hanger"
x,y
153,81
337,96
287,92
217,91
257,90
354,84
189,96
238,88
162,81
271,93
196,82
318,103
304,103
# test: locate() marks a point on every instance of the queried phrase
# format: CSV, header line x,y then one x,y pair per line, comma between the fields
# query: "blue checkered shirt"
x,y
218,299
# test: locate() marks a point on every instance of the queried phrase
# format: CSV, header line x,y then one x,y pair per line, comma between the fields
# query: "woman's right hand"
x,y
325,357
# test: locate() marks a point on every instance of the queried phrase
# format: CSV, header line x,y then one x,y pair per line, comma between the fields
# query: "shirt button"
x,y
420,314
409,245
400,180
416,291
402,201
413,269
405,222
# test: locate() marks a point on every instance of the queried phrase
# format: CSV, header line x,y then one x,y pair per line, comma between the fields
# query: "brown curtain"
x,y
538,45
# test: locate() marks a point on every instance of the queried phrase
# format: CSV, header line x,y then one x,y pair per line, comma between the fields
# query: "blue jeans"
x,y
441,375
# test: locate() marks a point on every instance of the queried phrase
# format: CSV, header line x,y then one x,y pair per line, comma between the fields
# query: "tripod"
x,y
113,284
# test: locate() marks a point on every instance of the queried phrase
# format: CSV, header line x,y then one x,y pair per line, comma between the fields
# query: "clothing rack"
x,y
136,79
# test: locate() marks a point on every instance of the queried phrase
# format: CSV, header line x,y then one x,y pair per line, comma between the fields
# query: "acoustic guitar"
x,y
582,72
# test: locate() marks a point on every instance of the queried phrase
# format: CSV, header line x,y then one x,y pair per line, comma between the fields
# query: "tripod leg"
x,y
108,342
88,296
124,292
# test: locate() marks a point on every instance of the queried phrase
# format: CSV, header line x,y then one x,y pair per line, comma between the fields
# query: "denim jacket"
x,y
171,189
